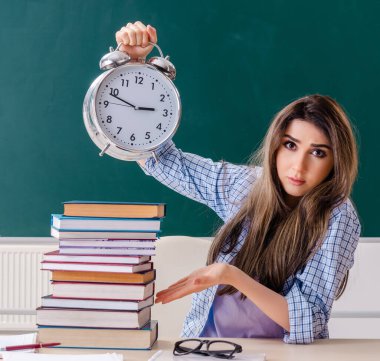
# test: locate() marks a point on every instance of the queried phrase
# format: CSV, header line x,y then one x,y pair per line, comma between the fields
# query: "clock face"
x,y
137,107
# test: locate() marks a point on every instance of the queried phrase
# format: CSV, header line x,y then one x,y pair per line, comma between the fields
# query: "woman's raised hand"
x,y
135,39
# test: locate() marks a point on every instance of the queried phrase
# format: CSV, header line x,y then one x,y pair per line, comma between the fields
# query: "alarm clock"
x,y
133,107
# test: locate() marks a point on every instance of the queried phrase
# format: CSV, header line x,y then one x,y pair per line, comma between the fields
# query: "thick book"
x,y
124,291
108,251
88,303
107,277
60,234
65,223
99,338
96,267
108,243
114,209
76,317
57,256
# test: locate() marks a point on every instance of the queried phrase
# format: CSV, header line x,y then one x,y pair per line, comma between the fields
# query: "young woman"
x,y
290,230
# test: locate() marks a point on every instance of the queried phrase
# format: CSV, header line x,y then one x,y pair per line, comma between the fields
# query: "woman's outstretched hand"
x,y
202,278
273,304
135,39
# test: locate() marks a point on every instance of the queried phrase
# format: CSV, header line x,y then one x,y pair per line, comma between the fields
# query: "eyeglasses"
x,y
219,349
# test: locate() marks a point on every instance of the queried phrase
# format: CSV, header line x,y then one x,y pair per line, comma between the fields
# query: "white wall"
x,y
22,283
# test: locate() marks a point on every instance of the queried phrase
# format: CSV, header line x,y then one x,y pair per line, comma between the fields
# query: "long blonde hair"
x,y
280,240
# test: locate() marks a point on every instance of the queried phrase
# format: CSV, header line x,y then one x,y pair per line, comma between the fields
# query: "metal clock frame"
x,y
98,136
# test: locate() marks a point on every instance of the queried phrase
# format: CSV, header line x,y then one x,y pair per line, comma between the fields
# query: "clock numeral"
x,y
162,98
159,126
152,86
120,128
109,120
124,82
106,102
114,91
132,138
165,113
138,79
147,135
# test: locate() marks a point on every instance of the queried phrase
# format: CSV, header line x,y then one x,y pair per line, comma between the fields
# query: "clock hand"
x,y
124,101
144,108
131,105
123,105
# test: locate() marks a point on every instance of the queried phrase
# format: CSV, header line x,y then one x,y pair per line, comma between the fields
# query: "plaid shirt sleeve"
x,y
219,185
311,292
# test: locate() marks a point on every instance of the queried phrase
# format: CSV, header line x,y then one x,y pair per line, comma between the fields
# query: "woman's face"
x,y
304,159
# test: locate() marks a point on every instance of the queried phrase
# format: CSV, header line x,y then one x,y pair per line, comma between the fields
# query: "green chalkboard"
x,y
237,64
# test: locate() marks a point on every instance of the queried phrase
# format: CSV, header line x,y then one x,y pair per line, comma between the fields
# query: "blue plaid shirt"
x,y
311,291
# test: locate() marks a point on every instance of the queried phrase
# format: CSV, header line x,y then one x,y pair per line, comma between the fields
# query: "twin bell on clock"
x,y
133,107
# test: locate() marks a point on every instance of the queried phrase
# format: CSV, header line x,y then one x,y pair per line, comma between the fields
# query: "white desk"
x,y
276,350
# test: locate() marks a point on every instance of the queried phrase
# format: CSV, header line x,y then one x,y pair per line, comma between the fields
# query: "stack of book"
x,y
102,276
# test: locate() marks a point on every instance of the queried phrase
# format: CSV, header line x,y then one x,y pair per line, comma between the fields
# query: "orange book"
x,y
107,277
114,209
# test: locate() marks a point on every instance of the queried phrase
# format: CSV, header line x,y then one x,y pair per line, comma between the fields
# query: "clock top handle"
x,y
116,58
154,44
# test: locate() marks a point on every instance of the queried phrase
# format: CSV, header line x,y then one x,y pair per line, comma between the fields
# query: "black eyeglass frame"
x,y
181,351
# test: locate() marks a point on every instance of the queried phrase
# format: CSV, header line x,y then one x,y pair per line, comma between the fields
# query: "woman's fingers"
x,y
136,34
134,39
178,290
131,35
152,34
122,36
195,282
172,288
144,33
171,295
